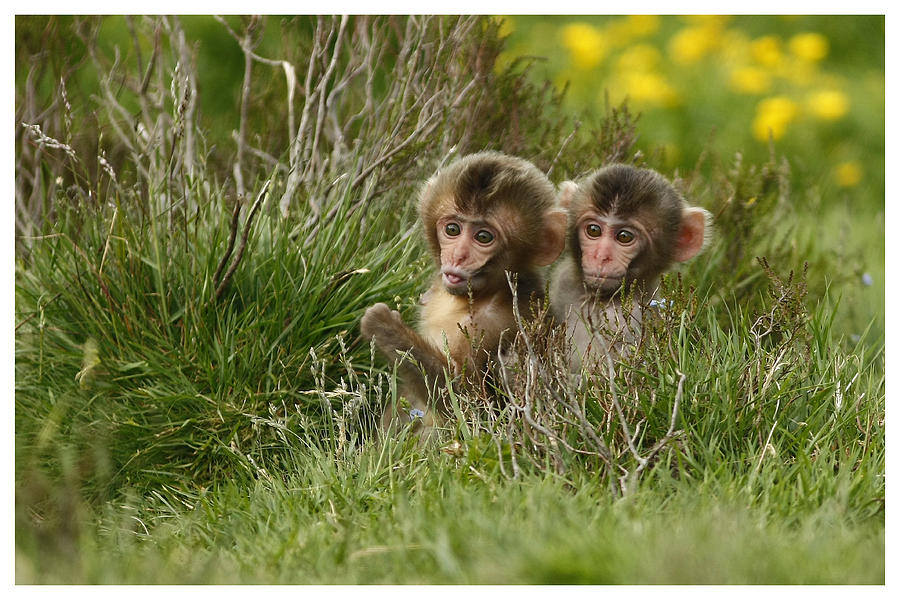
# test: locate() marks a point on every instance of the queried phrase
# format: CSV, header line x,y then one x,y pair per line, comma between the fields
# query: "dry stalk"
x,y
220,287
537,374
560,421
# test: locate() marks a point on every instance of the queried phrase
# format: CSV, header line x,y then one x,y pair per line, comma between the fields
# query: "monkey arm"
x,y
392,335
565,288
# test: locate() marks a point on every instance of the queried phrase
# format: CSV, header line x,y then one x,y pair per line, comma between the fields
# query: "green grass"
x,y
167,433
399,516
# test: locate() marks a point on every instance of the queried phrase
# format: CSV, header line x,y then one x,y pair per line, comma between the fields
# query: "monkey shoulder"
x,y
565,286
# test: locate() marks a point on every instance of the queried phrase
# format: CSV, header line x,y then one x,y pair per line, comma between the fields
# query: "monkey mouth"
x,y
603,282
456,282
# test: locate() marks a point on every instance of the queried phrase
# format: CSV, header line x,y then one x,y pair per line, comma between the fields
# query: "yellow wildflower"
x,y
648,89
641,25
707,20
828,105
811,47
640,57
848,174
766,50
621,32
693,43
750,80
773,115
585,43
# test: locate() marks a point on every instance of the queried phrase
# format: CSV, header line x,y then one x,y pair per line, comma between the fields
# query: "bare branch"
x,y
246,233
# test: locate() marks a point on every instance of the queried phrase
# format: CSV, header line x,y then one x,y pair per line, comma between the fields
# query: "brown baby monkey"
x,y
486,215
627,225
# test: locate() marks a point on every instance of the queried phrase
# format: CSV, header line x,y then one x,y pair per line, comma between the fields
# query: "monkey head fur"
x,y
488,213
627,225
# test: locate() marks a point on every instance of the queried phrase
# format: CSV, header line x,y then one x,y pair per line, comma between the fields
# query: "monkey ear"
x,y
551,246
692,236
567,191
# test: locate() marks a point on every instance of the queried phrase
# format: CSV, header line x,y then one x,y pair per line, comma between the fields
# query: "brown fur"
x,y
459,334
669,230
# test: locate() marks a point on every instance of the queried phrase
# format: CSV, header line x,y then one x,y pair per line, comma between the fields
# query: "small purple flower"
x,y
866,279
415,413
662,303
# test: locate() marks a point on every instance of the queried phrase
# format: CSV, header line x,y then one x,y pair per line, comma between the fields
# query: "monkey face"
x,y
609,246
471,250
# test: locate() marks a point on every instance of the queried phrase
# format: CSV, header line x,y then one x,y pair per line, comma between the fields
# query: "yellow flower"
x,y
828,105
640,25
620,32
773,115
707,20
648,89
693,43
811,47
640,57
585,43
750,80
766,50
848,174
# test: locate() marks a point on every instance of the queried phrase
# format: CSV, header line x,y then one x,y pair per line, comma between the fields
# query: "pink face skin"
x,y
608,245
467,244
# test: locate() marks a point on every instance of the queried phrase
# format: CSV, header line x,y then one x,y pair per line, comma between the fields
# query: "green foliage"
x,y
193,403
393,514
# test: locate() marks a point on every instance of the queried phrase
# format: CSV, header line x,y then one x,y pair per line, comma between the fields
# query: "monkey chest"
x,y
452,318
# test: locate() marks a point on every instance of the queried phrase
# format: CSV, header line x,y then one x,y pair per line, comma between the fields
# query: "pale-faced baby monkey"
x,y
627,225
483,216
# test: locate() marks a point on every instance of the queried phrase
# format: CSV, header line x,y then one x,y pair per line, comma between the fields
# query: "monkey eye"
x,y
452,229
484,237
593,230
624,236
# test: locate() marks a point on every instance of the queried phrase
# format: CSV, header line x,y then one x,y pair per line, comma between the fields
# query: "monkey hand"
x,y
393,336
381,322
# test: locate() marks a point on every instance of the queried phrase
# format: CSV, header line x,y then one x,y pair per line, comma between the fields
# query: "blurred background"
x,y
700,84
815,84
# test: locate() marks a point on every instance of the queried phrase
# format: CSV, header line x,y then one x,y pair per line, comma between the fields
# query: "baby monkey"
x,y
627,225
483,216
